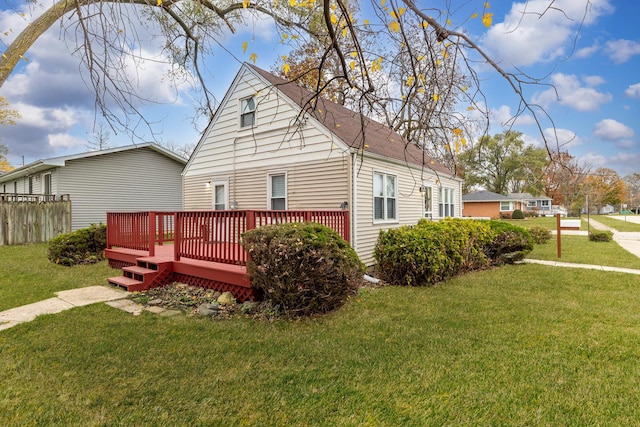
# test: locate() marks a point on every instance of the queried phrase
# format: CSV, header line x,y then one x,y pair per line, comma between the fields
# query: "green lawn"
x,y
579,249
618,224
546,222
28,276
518,345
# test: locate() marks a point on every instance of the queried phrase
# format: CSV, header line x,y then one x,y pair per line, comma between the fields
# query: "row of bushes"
x,y
430,252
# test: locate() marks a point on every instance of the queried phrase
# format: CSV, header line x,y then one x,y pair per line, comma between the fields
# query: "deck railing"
x,y
207,235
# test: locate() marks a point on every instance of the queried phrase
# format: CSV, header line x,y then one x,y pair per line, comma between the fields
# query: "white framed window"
x,y
47,184
277,197
219,194
30,185
505,206
385,188
427,197
446,205
247,112
546,203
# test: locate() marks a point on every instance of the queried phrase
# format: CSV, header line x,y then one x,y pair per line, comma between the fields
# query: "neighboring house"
x,y
540,204
486,204
135,177
267,148
607,209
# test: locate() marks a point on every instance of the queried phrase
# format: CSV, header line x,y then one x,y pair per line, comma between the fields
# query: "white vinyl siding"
x,y
249,189
139,179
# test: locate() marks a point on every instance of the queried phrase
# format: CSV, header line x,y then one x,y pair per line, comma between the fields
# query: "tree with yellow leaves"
x,y
7,117
405,63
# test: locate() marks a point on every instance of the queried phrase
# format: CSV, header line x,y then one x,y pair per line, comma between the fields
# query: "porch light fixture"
x,y
207,185
344,205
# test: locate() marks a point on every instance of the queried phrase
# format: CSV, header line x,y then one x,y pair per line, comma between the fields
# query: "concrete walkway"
x,y
64,300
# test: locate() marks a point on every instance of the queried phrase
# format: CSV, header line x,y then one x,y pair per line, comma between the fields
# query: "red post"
x,y
559,235
177,236
346,225
152,233
251,219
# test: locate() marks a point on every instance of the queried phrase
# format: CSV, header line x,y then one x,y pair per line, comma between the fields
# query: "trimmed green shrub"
x,y
84,246
601,236
431,251
510,243
540,235
517,214
303,268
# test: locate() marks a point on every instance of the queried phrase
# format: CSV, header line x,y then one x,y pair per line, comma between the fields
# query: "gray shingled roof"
x,y
485,196
348,126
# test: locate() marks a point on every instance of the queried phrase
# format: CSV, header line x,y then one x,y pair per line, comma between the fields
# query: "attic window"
x,y
247,112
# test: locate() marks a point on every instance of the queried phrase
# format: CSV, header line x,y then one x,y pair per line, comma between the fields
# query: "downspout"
x,y
354,202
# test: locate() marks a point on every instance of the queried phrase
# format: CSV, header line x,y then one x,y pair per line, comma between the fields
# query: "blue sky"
x,y
596,76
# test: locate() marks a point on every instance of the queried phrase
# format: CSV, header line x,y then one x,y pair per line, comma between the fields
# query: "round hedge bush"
x,y
517,214
84,246
303,268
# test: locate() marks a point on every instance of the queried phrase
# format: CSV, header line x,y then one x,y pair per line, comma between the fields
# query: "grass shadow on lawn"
x,y
517,345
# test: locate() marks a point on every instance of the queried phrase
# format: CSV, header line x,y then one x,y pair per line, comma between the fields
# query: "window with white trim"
x,y
446,202
384,197
219,193
278,192
505,206
47,186
247,112
427,194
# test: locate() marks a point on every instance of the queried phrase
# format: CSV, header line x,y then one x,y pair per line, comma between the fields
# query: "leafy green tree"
x,y
503,164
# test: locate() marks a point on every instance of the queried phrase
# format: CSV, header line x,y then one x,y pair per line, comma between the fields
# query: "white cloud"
x,y
586,52
562,138
594,160
504,116
64,140
613,130
532,31
622,50
570,92
633,91
593,80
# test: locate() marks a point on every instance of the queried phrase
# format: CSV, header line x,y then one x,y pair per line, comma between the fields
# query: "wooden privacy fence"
x,y
28,218
207,235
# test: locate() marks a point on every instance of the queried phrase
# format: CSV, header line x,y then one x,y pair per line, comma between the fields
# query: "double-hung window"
x,y
384,197
47,187
247,112
505,206
219,190
446,203
278,192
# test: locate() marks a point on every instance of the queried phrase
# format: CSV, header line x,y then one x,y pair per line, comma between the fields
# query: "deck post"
x,y
251,219
177,236
152,233
345,226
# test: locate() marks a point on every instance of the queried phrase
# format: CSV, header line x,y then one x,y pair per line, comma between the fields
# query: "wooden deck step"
x,y
129,284
138,273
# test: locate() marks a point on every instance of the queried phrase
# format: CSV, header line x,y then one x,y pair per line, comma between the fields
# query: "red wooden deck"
x,y
142,272
205,246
